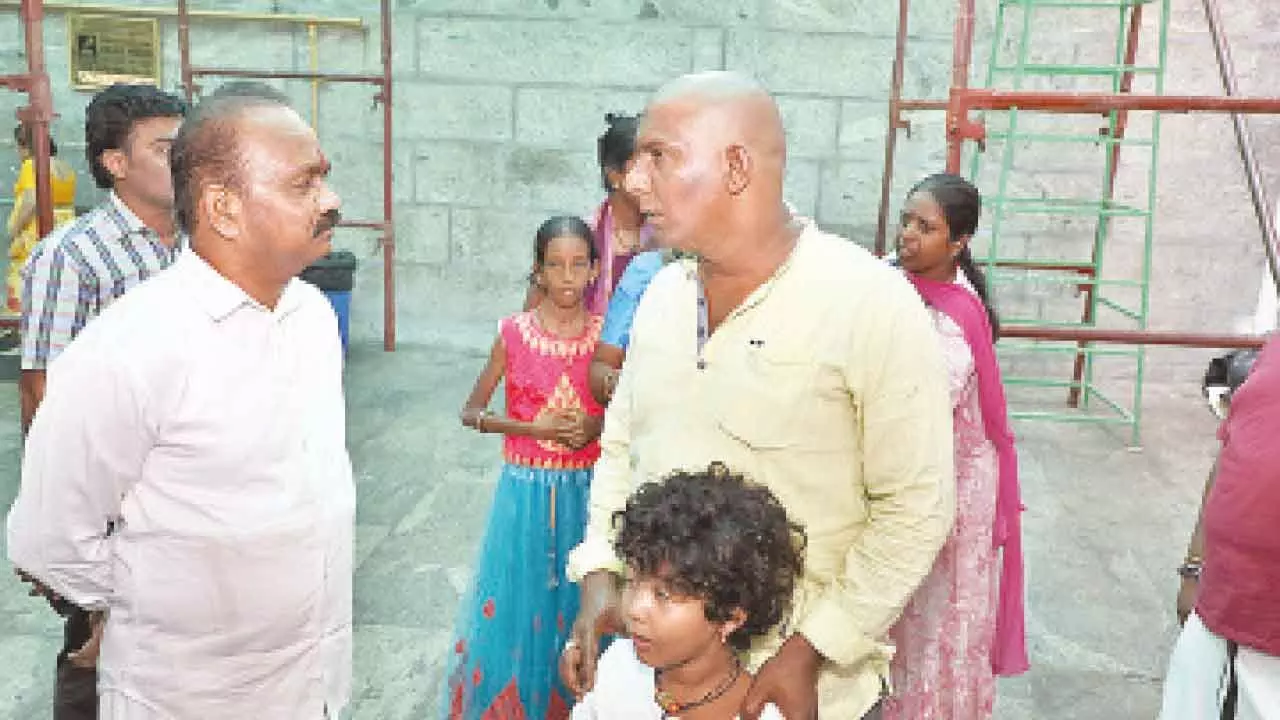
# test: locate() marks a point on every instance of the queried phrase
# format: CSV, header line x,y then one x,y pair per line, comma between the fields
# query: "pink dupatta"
x,y
1009,655
599,291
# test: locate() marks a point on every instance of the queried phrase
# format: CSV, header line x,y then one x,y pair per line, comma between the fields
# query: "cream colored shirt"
x,y
210,431
828,386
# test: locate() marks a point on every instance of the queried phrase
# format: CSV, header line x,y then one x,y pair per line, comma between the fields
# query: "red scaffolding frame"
x,y
382,81
961,127
39,111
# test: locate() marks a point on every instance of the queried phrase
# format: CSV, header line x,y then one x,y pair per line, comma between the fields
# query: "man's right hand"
x,y
1187,592
39,589
597,616
87,656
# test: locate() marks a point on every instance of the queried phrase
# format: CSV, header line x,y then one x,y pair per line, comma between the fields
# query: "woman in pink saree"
x,y
964,626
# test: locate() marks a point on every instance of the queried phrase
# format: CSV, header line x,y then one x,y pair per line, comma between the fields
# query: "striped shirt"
x,y
78,270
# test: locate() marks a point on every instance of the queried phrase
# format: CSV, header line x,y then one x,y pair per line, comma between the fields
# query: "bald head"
x,y
709,162
710,85
737,108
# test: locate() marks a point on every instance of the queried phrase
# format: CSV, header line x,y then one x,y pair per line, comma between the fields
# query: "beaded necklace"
x,y
671,708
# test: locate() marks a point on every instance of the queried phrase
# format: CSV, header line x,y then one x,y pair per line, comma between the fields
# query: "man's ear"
x,y
116,163
220,206
737,169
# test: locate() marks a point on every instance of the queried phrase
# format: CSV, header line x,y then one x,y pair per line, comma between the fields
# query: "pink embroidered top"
x,y
546,373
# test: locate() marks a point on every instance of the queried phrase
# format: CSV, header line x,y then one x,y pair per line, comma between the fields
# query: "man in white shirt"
x,y
79,270
187,473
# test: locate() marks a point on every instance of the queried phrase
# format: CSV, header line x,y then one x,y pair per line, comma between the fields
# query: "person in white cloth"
x,y
712,561
186,476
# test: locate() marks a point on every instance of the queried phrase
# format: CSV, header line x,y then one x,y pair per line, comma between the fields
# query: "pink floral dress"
x,y
942,668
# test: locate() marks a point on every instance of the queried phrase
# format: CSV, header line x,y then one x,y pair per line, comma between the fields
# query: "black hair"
x,y
559,226
206,150
24,136
111,115
616,145
961,203
713,535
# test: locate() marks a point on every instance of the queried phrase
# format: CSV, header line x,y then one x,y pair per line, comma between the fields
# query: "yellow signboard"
x,y
108,49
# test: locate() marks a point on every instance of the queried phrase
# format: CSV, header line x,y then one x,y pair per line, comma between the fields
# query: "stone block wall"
x,y
498,104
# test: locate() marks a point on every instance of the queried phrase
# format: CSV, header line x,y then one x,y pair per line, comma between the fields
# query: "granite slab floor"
x,y
1105,527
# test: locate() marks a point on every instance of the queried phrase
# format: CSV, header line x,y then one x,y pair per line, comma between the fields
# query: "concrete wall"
x,y
498,103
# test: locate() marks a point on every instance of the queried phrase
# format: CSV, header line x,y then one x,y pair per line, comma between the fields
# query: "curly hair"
x,y
715,536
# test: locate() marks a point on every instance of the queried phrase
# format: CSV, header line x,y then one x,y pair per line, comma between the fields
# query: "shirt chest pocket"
x,y
766,397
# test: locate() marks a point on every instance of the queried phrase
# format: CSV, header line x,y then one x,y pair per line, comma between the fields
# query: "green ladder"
x,y
1061,211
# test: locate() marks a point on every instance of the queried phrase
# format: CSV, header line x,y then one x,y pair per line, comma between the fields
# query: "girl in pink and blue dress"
x,y
517,616
617,225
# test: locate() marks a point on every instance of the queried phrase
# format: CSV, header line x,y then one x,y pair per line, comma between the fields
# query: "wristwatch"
x,y
1190,568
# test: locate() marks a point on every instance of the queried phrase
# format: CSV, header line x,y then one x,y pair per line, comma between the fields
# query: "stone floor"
x,y
1104,528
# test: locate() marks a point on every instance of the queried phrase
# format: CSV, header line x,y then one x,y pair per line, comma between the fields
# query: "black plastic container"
x,y
334,272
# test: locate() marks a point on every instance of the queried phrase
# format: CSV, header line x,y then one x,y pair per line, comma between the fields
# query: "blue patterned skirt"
x,y
504,663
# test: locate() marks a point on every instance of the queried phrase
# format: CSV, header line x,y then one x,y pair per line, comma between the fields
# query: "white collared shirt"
x,y
209,430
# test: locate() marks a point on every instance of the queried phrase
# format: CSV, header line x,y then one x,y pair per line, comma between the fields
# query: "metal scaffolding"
x,y
1105,293
382,81
963,102
37,113
35,82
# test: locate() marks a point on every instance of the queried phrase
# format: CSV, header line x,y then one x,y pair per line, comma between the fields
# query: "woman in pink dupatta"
x,y
619,227
964,626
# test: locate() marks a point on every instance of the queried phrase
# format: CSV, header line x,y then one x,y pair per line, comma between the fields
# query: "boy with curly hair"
x,y
712,560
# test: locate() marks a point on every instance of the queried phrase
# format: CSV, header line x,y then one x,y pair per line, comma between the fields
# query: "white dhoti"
x,y
1196,683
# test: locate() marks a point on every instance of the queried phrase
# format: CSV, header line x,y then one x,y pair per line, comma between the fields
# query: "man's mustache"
x,y
328,221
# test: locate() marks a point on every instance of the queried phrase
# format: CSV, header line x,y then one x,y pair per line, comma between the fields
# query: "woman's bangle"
x,y
480,420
